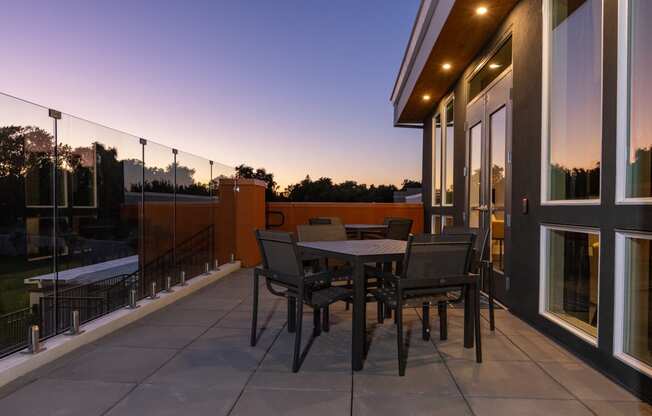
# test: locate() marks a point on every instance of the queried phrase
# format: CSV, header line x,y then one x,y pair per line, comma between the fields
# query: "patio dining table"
x,y
357,253
360,229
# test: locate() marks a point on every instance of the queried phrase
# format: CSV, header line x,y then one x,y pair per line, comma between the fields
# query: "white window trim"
x,y
434,165
451,98
623,108
545,114
619,300
543,280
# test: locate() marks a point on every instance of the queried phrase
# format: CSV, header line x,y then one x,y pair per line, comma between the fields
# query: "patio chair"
x,y
433,265
284,276
341,270
481,263
397,229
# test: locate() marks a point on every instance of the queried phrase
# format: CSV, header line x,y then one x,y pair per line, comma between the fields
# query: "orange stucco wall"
x,y
297,213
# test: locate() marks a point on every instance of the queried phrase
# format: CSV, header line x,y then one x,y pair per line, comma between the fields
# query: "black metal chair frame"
x,y
299,289
405,288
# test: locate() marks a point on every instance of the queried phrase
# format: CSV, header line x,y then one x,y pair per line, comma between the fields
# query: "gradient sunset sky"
x,y
298,87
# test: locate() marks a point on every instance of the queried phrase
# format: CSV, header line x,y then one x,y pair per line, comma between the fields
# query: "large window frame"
x,y
439,160
545,110
544,256
623,108
620,284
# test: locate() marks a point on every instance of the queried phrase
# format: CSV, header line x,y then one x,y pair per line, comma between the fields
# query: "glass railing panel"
x,y
158,218
99,220
27,194
194,231
224,189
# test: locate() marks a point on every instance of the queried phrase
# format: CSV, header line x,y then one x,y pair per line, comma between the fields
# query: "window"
x,y
501,60
572,101
436,161
633,300
435,224
634,100
449,148
570,263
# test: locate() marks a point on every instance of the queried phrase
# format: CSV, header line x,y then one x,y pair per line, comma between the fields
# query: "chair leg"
x,y
398,315
442,309
316,315
296,362
478,329
254,311
425,327
326,323
490,277
468,317
292,314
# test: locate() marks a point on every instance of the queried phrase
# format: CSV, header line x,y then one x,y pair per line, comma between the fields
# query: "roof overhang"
x,y
445,31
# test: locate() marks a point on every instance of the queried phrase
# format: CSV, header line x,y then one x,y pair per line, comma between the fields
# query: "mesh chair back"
x,y
431,256
481,245
398,228
331,232
319,221
279,252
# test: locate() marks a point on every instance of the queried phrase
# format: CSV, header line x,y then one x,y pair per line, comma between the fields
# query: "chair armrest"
x,y
443,281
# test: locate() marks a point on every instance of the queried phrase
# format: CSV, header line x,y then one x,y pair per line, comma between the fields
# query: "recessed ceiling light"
x,y
425,97
494,66
446,66
481,10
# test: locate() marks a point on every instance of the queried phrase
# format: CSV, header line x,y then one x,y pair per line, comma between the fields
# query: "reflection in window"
x,y
475,170
81,164
449,149
436,162
639,146
498,140
574,99
637,330
573,259
494,67
435,227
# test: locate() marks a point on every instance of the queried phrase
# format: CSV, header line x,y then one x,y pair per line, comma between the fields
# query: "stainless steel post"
x,y
74,323
182,278
232,258
216,265
33,340
168,284
152,292
207,268
132,299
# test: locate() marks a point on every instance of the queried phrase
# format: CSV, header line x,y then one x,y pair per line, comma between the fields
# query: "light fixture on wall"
x,y
494,66
425,97
482,10
446,66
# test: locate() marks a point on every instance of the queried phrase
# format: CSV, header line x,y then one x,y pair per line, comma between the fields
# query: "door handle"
x,y
483,208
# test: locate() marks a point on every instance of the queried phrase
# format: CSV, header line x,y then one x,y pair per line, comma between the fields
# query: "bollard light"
x,y
132,300
182,278
216,265
207,268
232,258
152,291
33,340
168,284
74,324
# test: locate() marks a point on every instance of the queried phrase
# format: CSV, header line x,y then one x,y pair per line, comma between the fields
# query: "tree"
x,y
271,191
409,183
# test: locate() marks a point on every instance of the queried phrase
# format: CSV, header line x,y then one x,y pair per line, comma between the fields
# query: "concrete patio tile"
x,y
206,302
64,397
176,399
518,379
530,407
303,380
172,316
116,364
149,336
409,404
218,339
508,324
615,408
498,348
541,349
223,369
586,383
292,403
242,319
428,378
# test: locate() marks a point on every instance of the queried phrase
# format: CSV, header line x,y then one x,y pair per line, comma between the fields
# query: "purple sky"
x,y
298,87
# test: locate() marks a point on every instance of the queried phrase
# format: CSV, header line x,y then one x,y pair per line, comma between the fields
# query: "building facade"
x,y
535,125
